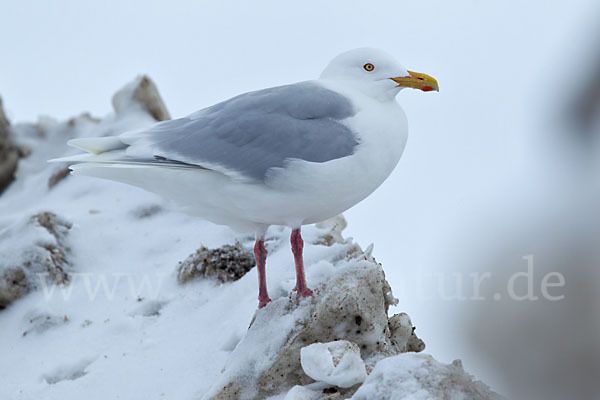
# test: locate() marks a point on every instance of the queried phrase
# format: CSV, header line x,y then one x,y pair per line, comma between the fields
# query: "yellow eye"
x,y
369,67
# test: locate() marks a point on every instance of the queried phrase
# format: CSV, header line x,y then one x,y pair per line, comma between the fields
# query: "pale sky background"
x,y
477,150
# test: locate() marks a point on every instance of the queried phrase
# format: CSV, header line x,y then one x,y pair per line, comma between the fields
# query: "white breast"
x,y
317,191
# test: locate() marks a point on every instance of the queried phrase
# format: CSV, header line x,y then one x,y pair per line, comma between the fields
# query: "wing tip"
x,y
97,145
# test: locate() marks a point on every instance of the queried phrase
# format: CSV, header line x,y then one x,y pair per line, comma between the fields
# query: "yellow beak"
x,y
417,80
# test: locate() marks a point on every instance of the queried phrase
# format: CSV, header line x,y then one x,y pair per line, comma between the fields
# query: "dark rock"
x,y
142,92
58,175
9,154
226,264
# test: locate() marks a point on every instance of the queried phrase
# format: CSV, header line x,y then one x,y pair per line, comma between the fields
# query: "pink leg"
x,y
297,247
260,255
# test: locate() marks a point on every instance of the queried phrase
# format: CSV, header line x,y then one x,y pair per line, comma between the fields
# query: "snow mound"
x,y
39,255
421,377
350,304
141,93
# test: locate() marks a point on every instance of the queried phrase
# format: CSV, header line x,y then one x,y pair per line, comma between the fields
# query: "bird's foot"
x,y
263,301
303,292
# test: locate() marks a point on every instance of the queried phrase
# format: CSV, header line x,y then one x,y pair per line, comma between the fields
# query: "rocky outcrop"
x,y
351,306
142,92
226,264
9,154
41,253
340,343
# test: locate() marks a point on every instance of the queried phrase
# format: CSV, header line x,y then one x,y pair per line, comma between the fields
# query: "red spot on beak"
x,y
427,88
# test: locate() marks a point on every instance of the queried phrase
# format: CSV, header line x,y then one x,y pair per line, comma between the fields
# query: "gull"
x,y
290,155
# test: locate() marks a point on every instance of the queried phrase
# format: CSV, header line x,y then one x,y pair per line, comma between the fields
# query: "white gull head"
x,y
375,73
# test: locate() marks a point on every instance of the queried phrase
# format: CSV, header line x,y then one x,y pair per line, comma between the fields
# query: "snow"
x,y
420,377
337,363
28,231
33,251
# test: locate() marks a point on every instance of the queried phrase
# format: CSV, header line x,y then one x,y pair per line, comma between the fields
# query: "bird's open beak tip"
x,y
417,80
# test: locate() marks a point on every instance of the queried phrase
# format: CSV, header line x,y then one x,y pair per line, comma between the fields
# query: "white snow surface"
x,y
337,363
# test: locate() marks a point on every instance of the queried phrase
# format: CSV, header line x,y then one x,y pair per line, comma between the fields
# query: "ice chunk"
x,y
336,363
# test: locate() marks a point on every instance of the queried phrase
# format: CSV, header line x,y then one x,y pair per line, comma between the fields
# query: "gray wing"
x,y
251,133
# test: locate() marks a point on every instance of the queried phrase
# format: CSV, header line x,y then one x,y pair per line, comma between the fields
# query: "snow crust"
x,y
420,377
